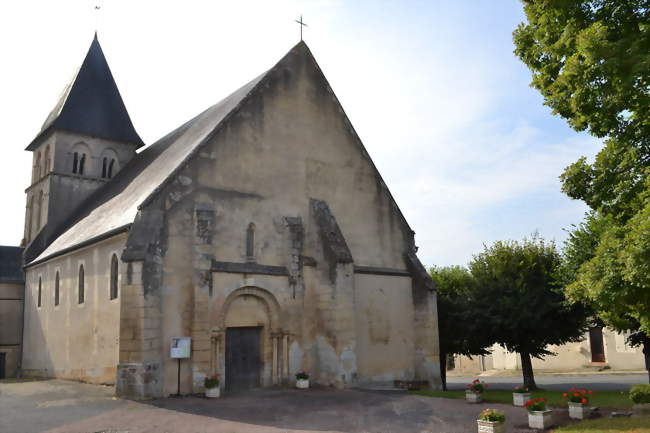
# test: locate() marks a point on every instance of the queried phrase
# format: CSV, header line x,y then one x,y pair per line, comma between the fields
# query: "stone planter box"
x,y
578,410
473,397
213,392
519,398
491,426
540,419
302,383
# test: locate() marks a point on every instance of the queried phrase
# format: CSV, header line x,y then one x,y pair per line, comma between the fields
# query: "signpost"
x,y
179,349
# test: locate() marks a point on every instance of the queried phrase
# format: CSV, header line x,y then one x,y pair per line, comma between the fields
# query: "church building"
x,y
260,229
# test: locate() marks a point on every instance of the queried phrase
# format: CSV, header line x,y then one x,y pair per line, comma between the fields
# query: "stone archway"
x,y
252,308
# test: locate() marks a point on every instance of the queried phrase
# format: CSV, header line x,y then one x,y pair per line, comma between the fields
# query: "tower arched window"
x,y
56,289
250,242
104,167
39,210
82,288
46,161
114,274
40,291
75,162
82,163
30,215
110,168
37,167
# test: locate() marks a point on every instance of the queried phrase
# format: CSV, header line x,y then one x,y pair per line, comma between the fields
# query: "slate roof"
x,y
11,265
91,104
115,205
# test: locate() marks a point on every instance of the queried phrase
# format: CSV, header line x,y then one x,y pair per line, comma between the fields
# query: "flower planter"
x,y
519,398
540,419
491,426
578,410
302,383
473,397
213,392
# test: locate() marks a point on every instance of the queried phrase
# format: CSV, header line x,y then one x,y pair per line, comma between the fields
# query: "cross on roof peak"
x,y
302,24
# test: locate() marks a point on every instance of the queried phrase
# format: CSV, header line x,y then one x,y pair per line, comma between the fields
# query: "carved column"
x,y
274,369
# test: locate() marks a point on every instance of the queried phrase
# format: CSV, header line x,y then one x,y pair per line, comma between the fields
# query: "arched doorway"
x,y
249,340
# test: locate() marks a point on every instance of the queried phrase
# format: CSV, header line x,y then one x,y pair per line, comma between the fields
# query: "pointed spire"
x,y
91,104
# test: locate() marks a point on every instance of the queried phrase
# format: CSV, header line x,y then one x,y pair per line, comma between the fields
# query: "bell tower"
x,y
85,141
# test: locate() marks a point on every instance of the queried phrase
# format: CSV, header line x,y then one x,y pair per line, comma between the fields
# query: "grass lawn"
x,y
612,399
610,425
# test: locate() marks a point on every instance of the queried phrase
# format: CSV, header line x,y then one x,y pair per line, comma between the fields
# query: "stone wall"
x,y
72,340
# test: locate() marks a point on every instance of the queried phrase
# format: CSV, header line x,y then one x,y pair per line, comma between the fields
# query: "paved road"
x,y
37,406
597,382
66,407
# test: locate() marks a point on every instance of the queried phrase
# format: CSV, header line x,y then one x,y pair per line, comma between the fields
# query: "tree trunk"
x,y
443,370
646,354
527,371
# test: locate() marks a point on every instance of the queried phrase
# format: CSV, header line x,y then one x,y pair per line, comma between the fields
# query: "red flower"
x,y
590,392
575,394
565,395
584,400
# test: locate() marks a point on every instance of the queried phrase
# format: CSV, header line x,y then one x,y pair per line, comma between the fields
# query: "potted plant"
x,y
578,400
520,395
491,421
302,380
538,415
474,392
211,384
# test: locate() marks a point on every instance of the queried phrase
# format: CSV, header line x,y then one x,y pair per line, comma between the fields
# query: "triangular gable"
x,y
149,172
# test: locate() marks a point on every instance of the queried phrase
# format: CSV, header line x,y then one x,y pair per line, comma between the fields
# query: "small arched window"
x,y
56,288
82,162
40,290
46,161
110,168
37,167
30,215
81,285
250,242
75,162
39,211
104,167
114,274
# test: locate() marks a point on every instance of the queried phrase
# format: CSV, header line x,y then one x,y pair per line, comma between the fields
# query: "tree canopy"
x,y
460,331
590,59
517,289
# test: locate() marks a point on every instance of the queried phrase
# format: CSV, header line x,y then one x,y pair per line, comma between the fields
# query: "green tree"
x,y
590,60
582,271
460,332
517,289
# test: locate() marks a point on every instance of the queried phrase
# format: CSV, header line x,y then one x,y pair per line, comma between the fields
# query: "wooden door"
x,y
597,346
243,361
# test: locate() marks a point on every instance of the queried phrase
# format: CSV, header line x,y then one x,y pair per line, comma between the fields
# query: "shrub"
x,y
492,415
640,393
578,395
302,375
211,381
536,405
521,389
476,386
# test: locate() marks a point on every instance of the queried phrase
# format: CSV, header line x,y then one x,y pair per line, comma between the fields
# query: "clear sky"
x,y
432,87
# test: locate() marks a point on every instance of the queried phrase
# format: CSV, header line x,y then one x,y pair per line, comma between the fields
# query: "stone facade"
x,y
277,222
